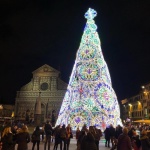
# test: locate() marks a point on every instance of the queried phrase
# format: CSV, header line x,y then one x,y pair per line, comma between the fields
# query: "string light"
x,y
90,98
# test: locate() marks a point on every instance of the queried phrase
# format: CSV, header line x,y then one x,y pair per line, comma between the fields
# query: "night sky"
x,y
38,32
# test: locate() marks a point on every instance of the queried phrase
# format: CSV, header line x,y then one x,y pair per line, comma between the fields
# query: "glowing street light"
x,y
1,107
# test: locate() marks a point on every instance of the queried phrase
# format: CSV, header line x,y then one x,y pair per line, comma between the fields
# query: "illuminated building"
x,y
47,81
137,107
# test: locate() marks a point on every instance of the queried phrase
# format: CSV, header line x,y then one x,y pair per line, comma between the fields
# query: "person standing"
x,y
48,131
69,135
107,136
57,138
112,135
7,139
77,134
98,135
124,142
80,138
145,142
136,143
84,128
23,138
88,142
63,136
36,138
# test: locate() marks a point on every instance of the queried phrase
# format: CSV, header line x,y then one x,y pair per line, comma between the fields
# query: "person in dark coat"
x,y
63,136
7,139
69,135
131,132
145,141
58,140
77,133
84,128
48,131
98,135
88,142
118,131
23,138
95,134
136,143
112,135
81,136
107,136
124,142
36,138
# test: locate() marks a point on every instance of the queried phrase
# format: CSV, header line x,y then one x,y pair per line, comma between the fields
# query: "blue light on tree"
x,y
90,98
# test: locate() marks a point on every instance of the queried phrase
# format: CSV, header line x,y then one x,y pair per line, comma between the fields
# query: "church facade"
x,y
46,81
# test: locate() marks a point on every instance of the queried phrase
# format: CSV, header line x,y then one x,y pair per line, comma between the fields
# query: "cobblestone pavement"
x,y
72,145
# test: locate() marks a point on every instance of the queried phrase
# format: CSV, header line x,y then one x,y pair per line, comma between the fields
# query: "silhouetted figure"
x,y
107,136
36,138
48,132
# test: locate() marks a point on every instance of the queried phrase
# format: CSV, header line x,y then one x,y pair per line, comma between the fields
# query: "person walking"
x,y
7,139
36,138
124,142
23,138
48,131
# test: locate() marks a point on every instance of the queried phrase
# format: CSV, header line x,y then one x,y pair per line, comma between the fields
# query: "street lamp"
x,y
145,101
1,109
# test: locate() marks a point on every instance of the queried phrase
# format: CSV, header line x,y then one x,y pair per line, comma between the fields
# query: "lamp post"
x,y
130,112
145,92
1,109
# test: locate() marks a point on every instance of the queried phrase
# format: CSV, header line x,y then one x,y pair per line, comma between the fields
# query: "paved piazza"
x,y
72,145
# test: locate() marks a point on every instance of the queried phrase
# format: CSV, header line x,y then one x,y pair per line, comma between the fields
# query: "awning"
x,y
142,121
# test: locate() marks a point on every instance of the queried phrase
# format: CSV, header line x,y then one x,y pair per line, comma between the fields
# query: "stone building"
x,y
137,107
6,110
46,81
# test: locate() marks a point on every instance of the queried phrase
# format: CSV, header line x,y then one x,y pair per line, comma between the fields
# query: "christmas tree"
x,y
90,98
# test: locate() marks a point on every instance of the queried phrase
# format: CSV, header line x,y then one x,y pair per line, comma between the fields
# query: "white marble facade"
x,y
47,81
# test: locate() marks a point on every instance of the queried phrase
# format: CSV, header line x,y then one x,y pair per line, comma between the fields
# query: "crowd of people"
x,y
127,138
119,138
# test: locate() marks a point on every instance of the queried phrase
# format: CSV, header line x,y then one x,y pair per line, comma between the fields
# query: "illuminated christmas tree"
x,y
90,98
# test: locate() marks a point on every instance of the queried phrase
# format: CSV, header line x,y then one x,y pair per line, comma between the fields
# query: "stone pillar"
x,y
37,114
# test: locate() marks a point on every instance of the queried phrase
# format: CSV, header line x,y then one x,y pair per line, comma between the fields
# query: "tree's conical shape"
x,y
90,98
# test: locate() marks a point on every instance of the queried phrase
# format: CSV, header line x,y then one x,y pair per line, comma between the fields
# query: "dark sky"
x,y
38,32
